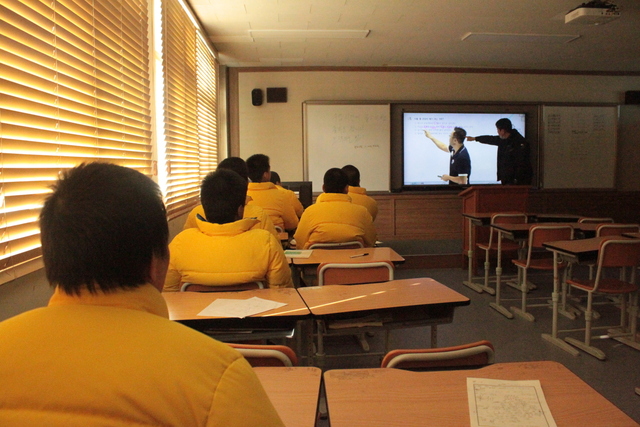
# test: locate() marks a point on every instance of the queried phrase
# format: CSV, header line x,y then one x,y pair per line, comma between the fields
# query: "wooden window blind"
x,y
75,87
190,108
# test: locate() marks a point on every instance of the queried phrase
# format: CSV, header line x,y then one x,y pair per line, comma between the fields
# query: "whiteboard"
x,y
336,135
579,146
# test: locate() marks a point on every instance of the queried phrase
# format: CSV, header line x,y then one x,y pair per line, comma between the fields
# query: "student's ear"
x,y
323,188
158,271
346,189
240,212
266,177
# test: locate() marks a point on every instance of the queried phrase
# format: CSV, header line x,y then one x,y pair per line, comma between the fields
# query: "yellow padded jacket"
x,y
359,197
226,254
293,200
334,219
275,202
116,359
250,211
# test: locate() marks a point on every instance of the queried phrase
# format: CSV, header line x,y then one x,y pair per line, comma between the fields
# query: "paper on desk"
x,y
300,253
497,403
239,307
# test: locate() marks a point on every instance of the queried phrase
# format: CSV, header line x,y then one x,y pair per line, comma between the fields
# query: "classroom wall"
x,y
276,128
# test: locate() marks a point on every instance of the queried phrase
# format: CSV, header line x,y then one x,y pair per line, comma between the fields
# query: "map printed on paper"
x,y
496,403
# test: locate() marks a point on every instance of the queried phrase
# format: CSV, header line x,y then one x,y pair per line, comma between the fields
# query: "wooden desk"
x,y
319,256
517,233
632,235
185,306
393,397
294,393
574,251
397,303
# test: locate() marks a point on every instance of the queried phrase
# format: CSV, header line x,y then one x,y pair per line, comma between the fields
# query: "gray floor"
x,y
515,340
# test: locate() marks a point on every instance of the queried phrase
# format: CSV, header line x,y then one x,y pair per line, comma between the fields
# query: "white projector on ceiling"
x,y
591,16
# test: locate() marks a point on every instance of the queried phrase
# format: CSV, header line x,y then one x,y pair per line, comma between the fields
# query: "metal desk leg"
x,y
469,282
553,338
496,305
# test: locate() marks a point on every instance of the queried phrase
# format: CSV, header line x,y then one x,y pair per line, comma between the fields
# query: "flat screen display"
x,y
423,161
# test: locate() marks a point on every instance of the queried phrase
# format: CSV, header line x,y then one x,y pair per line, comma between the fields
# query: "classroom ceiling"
x,y
511,34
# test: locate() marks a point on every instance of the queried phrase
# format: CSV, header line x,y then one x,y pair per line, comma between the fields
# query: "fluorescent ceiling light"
x,y
308,34
519,38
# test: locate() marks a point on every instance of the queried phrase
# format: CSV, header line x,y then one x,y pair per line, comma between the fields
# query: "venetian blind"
x,y
190,113
75,88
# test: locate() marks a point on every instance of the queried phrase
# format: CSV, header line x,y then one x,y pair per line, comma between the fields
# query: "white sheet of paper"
x,y
498,403
239,307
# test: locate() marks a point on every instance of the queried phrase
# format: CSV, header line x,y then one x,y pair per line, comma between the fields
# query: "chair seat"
x,y
505,246
538,264
606,286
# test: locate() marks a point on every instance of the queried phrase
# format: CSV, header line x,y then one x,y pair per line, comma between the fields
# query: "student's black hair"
x,y
235,164
353,175
221,194
504,124
459,134
257,164
275,178
335,181
101,228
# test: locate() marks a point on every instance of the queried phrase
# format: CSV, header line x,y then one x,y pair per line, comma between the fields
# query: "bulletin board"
x,y
579,146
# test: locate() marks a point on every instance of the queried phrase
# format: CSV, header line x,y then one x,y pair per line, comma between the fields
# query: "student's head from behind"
x,y
353,175
259,168
104,228
504,128
457,136
223,195
275,178
335,181
235,164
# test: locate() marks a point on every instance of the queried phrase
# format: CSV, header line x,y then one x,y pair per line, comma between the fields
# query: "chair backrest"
x,y
192,287
470,355
540,234
589,220
618,253
354,244
506,218
267,355
354,273
616,229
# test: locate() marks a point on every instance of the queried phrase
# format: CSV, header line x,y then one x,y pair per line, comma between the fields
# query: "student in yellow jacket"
x,y
251,210
293,199
224,249
333,218
103,352
266,195
359,194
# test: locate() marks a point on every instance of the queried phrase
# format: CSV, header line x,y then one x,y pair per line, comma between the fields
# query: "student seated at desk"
x,y
358,194
333,218
224,249
251,210
266,194
293,199
104,352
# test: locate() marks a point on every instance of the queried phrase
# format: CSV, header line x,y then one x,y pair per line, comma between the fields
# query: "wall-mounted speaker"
x,y
632,97
256,97
276,94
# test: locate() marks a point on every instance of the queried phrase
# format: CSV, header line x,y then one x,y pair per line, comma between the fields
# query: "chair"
x,y
492,246
611,229
618,254
192,287
353,244
538,235
354,273
267,355
588,220
350,274
472,355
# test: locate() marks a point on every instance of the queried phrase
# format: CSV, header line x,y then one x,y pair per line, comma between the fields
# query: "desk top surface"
x,y
187,305
576,247
632,235
293,392
384,396
318,256
324,300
